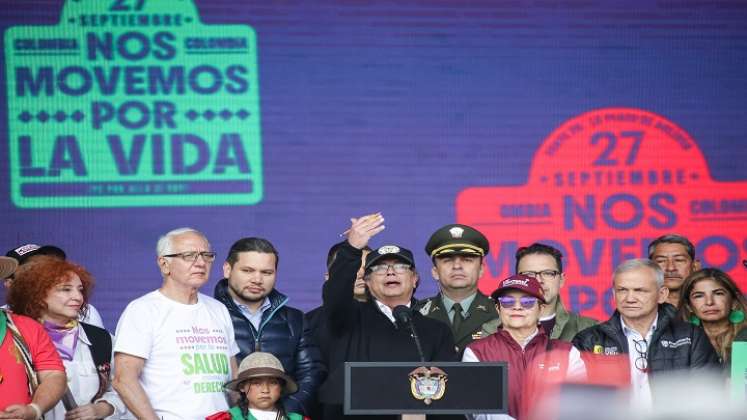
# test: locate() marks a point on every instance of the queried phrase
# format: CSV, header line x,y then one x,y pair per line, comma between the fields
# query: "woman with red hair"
x,y
55,292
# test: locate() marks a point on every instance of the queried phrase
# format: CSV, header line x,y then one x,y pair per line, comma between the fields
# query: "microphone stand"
x,y
403,315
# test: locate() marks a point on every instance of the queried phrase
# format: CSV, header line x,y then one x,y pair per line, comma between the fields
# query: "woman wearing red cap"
x,y
523,344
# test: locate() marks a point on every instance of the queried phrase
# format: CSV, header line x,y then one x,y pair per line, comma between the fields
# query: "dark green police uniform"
x,y
458,239
481,311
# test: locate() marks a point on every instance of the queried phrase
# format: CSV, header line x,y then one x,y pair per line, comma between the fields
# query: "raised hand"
x,y
364,228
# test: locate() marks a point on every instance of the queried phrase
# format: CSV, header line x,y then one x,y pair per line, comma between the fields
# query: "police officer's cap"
x,y
456,239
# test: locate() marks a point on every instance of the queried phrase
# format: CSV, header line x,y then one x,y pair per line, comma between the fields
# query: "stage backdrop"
x,y
593,125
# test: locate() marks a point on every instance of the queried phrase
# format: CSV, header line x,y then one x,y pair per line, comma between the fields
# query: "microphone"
x,y
403,315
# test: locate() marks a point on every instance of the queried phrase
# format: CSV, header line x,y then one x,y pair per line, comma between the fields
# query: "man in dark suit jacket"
x,y
458,255
367,331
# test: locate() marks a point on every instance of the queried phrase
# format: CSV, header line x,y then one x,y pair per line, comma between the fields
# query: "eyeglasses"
x,y
398,268
546,275
526,302
641,362
191,256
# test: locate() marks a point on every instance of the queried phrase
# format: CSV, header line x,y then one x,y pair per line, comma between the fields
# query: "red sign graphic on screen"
x,y
601,187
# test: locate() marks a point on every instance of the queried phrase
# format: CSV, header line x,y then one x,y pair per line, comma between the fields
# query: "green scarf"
x,y
3,325
236,413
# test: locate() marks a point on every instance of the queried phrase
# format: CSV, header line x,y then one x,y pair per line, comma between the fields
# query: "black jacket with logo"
x,y
360,332
282,332
674,345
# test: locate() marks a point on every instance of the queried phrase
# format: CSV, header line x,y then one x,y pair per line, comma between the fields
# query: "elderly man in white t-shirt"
x,y
175,346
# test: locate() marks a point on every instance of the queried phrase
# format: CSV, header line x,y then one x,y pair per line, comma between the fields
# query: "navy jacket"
x,y
283,333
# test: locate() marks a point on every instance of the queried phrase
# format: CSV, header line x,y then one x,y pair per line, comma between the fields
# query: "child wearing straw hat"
x,y
261,382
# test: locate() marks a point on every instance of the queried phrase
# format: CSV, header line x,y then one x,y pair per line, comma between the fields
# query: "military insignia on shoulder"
x,y
481,307
478,335
598,349
427,307
428,384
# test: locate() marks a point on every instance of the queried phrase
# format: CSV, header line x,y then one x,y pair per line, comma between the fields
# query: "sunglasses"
x,y
526,302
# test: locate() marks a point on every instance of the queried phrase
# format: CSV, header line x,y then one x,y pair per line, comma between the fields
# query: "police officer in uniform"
x,y
458,255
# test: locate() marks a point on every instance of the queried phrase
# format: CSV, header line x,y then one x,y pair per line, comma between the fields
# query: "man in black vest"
x,y
263,322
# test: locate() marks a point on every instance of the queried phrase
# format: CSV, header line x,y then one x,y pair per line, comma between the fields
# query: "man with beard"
x,y
263,322
675,254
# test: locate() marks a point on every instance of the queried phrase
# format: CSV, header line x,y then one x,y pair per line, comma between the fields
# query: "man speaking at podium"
x,y
368,331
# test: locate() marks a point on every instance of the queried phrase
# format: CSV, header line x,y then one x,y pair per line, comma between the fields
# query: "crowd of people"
x,y
175,352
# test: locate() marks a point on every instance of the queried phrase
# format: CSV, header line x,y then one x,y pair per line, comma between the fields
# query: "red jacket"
x,y
524,364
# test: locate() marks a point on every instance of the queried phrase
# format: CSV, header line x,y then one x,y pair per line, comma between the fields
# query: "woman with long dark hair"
x,y
711,298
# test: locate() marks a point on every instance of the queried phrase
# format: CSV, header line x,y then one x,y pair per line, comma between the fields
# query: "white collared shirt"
x,y
388,311
254,317
640,388
263,414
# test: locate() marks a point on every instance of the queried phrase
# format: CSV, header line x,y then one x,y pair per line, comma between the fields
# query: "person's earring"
x,y
694,320
736,316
